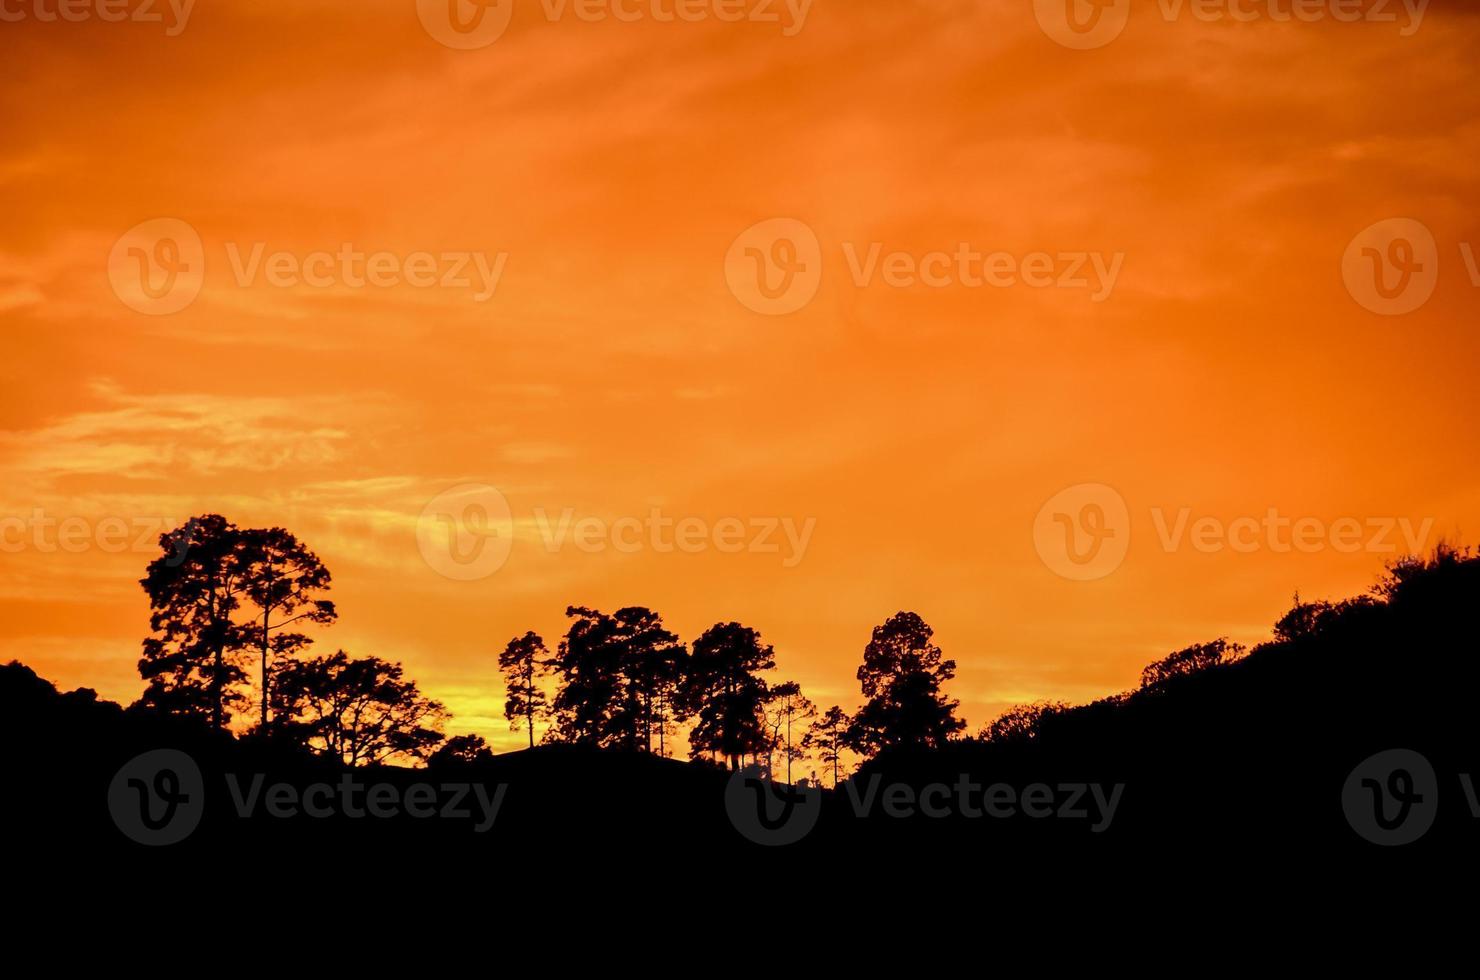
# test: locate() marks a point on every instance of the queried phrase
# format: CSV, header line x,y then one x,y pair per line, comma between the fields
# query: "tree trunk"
x,y
216,688
529,696
788,746
266,627
265,614
217,693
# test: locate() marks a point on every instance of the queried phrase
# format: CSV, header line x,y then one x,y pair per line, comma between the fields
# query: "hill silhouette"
x,y
1350,736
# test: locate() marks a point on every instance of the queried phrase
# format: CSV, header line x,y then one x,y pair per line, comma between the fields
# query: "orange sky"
x,y
1228,372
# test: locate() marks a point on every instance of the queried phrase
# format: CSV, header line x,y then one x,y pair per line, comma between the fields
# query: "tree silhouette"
x,y
788,706
588,662
1198,657
722,691
195,588
827,736
1021,722
282,576
523,661
358,710
901,676
652,661
461,750
618,675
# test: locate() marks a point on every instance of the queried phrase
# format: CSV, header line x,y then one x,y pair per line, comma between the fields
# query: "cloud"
x,y
165,436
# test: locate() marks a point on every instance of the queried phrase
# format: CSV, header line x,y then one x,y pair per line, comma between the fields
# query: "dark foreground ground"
x,y
1350,746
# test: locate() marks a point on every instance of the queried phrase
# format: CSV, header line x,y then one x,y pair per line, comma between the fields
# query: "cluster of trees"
x,y
227,607
225,600
624,681
1026,721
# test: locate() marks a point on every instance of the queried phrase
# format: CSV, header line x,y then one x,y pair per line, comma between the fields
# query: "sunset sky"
x,y
610,165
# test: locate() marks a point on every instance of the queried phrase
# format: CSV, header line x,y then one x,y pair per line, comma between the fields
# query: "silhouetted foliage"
x,y
787,706
1219,757
1021,722
212,594
282,577
722,692
617,674
1411,575
523,661
463,750
827,737
652,663
588,663
901,676
194,665
1198,657
360,711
